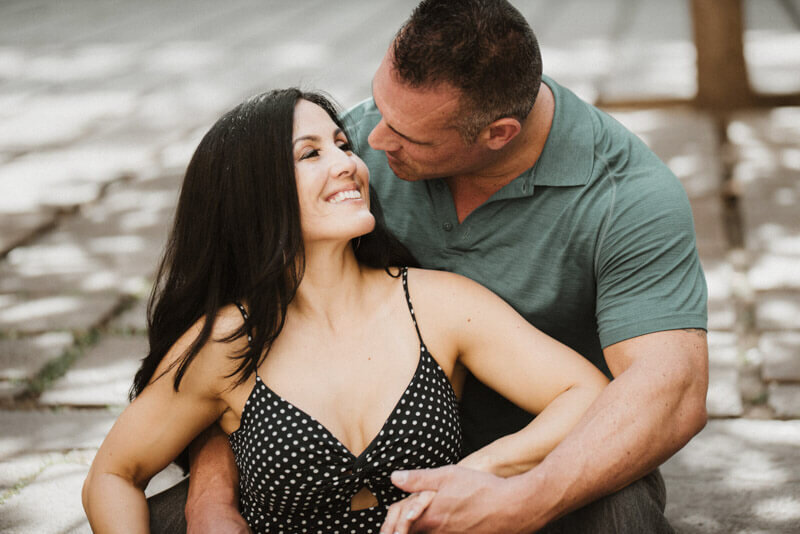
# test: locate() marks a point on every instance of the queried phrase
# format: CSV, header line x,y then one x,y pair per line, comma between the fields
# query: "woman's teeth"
x,y
344,195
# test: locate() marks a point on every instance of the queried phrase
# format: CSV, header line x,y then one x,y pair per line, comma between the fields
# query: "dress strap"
x,y
245,317
411,306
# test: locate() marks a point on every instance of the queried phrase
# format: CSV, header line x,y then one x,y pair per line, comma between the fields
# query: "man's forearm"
x,y
214,477
643,417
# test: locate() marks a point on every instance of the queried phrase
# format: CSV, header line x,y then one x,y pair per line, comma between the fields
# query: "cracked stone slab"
x,y
16,471
22,358
775,272
737,475
724,398
785,400
102,376
113,246
56,312
721,309
9,390
133,319
41,431
781,354
711,239
778,311
17,227
58,486
56,491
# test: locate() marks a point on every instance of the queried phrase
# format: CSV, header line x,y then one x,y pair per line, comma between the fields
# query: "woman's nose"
x,y
382,138
345,164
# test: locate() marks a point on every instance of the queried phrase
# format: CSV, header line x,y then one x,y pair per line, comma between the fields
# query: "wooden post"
x,y
722,82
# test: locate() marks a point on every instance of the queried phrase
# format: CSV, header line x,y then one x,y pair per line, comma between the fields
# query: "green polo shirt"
x,y
594,244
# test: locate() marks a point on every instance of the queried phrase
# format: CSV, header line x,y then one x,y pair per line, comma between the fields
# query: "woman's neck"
x,y
333,284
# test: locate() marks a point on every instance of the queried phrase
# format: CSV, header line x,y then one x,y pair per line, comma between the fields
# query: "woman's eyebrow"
x,y
310,137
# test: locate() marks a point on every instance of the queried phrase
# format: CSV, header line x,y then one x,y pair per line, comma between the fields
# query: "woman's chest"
x,y
284,452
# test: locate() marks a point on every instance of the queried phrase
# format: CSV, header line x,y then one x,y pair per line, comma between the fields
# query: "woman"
x,y
281,314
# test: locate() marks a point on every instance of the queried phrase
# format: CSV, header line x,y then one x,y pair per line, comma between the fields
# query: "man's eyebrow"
x,y
407,138
317,138
404,136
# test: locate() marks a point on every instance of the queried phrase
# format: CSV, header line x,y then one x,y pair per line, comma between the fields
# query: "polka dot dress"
x,y
295,476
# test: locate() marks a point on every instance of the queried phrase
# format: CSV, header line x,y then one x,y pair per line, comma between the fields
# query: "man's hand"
x,y
404,512
464,501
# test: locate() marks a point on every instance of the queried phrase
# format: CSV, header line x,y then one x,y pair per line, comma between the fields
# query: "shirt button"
x,y
447,226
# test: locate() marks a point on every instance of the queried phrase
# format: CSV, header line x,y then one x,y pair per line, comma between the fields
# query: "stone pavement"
x,y
102,103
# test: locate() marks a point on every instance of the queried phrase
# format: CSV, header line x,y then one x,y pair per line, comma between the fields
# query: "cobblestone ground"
x,y
102,103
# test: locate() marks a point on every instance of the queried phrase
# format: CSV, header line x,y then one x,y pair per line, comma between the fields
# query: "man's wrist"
x,y
533,500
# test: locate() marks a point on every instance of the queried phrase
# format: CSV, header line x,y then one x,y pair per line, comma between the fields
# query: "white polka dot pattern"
x,y
296,476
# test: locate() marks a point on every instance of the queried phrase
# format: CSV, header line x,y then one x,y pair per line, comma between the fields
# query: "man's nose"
x,y
382,138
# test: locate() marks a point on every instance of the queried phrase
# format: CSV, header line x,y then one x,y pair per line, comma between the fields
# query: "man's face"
x,y
418,131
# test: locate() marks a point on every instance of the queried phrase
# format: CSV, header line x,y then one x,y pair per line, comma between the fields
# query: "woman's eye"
x,y
310,154
346,147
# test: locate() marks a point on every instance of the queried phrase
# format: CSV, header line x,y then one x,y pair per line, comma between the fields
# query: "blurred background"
x,y
103,101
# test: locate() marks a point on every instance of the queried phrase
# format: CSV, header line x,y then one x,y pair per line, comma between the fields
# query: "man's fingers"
x,y
392,515
420,480
421,503
403,513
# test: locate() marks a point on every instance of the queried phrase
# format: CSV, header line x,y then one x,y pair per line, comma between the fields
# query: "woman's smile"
x,y
328,171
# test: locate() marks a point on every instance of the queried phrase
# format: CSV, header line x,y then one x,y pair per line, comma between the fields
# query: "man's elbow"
x,y
693,414
696,418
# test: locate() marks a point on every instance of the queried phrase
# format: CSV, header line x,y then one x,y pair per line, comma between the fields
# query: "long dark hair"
x,y
236,236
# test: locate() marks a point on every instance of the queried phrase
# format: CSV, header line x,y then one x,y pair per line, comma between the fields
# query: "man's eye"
x,y
310,154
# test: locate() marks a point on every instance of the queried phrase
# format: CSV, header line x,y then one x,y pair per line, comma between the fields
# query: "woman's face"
x,y
332,182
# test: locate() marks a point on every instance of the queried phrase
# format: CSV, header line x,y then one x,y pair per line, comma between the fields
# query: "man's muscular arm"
x,y
652,408
213,502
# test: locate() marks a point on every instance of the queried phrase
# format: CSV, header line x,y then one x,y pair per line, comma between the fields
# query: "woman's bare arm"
x,y
151,432
528,367
506,353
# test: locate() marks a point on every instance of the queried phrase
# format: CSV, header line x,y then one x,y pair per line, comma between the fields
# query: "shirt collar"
x,y
568,154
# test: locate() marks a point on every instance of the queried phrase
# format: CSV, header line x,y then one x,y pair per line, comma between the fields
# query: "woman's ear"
x,y
500,132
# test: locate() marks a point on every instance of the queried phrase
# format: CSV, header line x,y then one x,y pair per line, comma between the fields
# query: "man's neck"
x,y
470,191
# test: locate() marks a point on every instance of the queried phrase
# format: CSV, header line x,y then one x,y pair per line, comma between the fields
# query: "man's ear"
x,y
500,132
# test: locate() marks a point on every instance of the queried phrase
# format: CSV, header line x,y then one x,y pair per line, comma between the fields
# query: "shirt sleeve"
x,y
648,272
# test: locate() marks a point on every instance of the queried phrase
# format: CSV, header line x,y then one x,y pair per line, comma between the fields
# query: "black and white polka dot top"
x,y
296,476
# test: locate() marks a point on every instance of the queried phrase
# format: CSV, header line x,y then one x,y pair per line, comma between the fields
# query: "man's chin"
x,y
401,171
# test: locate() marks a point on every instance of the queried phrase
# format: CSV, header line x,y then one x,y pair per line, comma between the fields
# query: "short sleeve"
x,y
648,272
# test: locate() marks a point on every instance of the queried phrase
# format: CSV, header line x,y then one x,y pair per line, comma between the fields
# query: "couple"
x,y
334,370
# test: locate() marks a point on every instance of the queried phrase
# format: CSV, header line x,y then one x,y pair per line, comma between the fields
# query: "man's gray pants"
x,y
636,509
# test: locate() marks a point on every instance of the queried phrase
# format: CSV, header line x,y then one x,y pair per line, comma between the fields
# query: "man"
x,y
508,178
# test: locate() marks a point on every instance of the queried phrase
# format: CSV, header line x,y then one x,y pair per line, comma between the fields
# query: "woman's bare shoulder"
x,y
444,284
213,362
450,296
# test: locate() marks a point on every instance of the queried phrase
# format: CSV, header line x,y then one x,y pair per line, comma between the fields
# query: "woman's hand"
x,y
404,512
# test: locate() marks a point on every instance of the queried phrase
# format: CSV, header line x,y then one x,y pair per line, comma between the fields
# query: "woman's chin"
x,y
366,225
